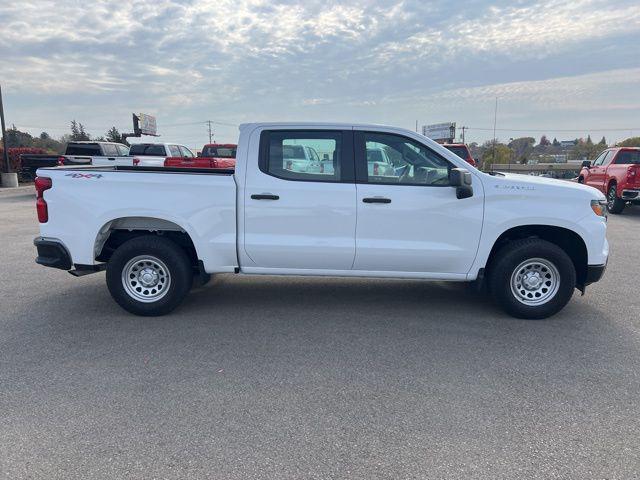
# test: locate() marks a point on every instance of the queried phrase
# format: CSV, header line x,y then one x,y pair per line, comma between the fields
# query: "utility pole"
x,y
416,126
463,129
5,150
210,132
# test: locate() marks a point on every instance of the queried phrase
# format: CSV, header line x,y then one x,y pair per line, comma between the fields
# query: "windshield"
x,y
219,152
459,151
146,149
92,149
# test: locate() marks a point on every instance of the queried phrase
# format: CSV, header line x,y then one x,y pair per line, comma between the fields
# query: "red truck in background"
x,y
461,150
616,173
214,155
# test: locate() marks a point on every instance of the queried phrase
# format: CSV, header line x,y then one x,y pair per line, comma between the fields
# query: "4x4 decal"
x,y
84,175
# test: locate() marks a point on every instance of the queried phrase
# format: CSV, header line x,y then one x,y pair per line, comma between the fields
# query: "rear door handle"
x,y
264,196
376,200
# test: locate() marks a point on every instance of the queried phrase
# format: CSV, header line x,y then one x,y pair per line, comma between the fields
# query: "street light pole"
x,y
5,150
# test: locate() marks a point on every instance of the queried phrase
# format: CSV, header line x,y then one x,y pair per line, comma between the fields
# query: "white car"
x,y
154,154
531,240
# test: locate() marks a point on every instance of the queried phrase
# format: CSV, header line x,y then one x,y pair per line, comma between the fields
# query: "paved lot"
x,y
313,378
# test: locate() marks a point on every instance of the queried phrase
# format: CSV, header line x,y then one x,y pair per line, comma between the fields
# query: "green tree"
x,y
113,135
522,148
544,141
77,132
497,153
630,142
555,142
16,138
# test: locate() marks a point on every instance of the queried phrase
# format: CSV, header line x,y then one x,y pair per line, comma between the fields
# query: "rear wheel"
x,y
149,275
532,278
614,203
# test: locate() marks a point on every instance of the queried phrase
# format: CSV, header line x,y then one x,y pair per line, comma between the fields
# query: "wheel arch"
x,y
115,232
568,240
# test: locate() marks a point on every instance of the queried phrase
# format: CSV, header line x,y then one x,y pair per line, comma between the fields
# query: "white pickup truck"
x,y
531,240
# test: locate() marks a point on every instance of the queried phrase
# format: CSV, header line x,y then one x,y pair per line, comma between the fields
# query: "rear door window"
x,y
306,155
149,150
110,150
174,151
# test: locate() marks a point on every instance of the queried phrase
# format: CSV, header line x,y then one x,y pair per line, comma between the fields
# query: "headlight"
x,y
599,207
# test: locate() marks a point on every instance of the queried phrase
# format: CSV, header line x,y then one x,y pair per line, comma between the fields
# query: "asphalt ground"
x,y
268,377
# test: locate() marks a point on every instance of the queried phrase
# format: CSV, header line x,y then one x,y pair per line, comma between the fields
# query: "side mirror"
x,y
460,178
586,164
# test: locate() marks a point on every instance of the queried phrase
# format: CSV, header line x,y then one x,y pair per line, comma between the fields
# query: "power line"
x,y
554,129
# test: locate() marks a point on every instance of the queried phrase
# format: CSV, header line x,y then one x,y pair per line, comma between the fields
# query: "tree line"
x,y
524,149
17,138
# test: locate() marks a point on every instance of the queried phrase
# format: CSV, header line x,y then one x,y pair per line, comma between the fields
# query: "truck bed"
x,y
85,203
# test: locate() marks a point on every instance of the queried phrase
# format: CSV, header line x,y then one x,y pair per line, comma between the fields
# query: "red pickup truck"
x,y
461,150
616,173
214,155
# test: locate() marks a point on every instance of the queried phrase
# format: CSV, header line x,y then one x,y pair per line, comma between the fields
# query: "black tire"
x,y
614,203
168,256
540,254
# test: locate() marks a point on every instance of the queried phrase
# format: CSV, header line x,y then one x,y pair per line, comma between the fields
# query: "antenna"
x,y
495,120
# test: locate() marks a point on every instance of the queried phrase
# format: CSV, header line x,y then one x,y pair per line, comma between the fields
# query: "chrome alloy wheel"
x,y
146,279
535,281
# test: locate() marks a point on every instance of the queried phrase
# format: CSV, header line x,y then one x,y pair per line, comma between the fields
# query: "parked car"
x,y
76,153
531,240
214,155
378,163
155,154
462,151
616,173
219,150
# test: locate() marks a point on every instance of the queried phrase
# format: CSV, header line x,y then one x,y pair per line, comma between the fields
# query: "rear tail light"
x,y
633,175
42,184
61,161
136,161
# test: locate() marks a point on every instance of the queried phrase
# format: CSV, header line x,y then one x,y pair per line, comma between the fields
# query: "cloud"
x,y
255,59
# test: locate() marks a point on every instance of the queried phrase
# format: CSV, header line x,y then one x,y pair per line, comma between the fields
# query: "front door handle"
x,y
376,200
264,196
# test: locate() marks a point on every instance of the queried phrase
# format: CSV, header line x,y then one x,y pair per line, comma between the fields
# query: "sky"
x,y
561,68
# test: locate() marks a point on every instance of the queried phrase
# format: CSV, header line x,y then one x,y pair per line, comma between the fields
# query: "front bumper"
x,y
631,194
594,273
52,253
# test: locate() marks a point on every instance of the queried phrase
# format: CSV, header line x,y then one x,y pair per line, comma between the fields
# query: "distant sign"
x,y
440,131
144,124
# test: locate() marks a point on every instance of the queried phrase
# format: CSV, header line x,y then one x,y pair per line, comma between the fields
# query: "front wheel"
x,y
532,278
149,275
614,203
